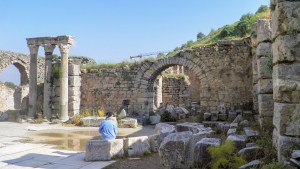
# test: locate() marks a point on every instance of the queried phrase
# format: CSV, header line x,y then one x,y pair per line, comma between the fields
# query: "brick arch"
x,y
20,61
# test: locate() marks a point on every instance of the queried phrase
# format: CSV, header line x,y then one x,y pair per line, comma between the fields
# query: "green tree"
x,y
200,36
262,8
160,55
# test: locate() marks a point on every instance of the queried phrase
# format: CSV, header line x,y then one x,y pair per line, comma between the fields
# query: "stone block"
x,y
238,140
74,105
263,71
254,36
251,153
284,144
231,131
214,115
129,123
222,117
173,151
72,113
252,164
101,150
93,121
286,83
285,18
136,146
244,123
193,127
207,116
232,115
201,155
74,70
74,81
264,30
263,49
74,91
163,130
285,48
153,141
252,135
265,105
287,119
265,86
154,119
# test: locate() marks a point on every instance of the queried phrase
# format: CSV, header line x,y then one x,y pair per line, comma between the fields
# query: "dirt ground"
x,y
147,162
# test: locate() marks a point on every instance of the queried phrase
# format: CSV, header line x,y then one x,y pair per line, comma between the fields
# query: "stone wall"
x,y
262,72
176,91
286,75
224,72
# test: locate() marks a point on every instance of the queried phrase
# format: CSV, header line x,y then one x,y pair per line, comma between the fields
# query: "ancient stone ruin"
x,y
256,76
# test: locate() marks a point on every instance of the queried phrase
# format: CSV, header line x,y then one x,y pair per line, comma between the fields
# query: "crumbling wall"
x,y
224,71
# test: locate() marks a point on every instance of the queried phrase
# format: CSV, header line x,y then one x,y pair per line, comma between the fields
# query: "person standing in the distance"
x,y
108,128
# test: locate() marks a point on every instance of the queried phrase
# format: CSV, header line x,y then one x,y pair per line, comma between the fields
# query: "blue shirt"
x,y
108,130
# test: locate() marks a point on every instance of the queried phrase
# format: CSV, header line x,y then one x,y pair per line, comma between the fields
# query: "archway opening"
x,y
11,76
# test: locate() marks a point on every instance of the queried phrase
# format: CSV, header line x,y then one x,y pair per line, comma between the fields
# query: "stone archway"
x,y
20,61
151,72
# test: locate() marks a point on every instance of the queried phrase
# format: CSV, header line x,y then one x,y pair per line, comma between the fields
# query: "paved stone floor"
x,y
14,154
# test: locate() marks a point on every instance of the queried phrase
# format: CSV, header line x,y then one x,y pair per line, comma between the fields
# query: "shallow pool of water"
x,y
75,140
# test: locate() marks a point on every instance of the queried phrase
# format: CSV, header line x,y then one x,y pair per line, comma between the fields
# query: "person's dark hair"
x,y
108,114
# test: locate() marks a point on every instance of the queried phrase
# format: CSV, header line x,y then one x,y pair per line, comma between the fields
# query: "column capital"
x,y
33,48
49,48
64,48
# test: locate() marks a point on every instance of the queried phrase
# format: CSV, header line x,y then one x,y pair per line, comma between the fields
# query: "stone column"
x,y
286,76
33,81
63,99
47,79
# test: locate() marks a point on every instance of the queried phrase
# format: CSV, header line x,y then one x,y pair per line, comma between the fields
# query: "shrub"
x,y
77,121
166,117
86,112
101,112
224,156
274,165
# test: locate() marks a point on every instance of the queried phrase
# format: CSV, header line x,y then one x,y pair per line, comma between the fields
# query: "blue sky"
x,y
110,31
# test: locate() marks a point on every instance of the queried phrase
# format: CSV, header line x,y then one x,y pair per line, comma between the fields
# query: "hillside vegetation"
x,y
238,30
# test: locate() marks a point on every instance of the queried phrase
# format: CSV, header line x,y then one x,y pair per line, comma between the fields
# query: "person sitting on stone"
x,y
108,127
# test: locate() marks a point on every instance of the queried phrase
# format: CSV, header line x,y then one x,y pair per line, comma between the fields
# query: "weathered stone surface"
x,y
97,150
136,146
122,114
285,18
207,116
283,144
263,30
232,115
233,125
231,131
222,117
92,121
153,141
74,81
262,68
201,154
154,119
173,150
163,129
285,48
265,105
287,118
296,154
263,49
187,126
244,123
3,116
252,164
129,123
266,122
74,70
238,140
265,86
252,135
251,153
238,119
214,115
286,83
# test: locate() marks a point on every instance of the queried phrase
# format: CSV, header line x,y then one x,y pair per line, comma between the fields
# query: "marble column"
x,y
47,80
33,81
63,100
